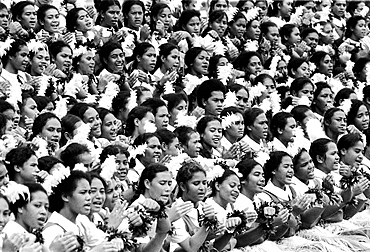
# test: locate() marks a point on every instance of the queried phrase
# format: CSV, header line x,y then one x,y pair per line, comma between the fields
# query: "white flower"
x,y
57,176
304,101
185,120
191,82
224,73
230,99
138,151
278,21
346,105
132,100
256,91
150,127
251,46
215,172
13,191
80,50
61,108
41,147
111,91
5,46
80,167
168,88
314,129
262,157
35,45
229,120
109,167
252,13
128,44
275,102
7,143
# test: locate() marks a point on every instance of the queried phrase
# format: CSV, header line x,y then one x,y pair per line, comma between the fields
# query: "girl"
x,y
29,113
177,104
335,123
40,59
136,121
109,126
70,123
24,14
358,116
290,37
81,24
48,21
210,130
169,62
108,22
237,29
256,128
250,63
323,62
48,127
234,130
76,153
242,96
300,87
298,67
322,99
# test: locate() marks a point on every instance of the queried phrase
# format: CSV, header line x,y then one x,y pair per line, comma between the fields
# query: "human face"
x,y
148,118
147,60
162,117
122,166
273,35
4,213
28,17
112,194
229,189
323,4
236,130
270,87
51,21
87,63
201,62
242,98
220,26
294,37
195,189
339,8
91,117
52,131
331,158
286,8
359,9
253,31
109,127
160,187
247,6
153,151
135,17
302,71
307,90
172,61
4,19
238,28
193,26
304,169
327,35
263,8
181,108
193,147
172,148
324,100
214,104
284,173
288,133
116,61
338,123
4,176
254,65
30,109
97,195
21,59
220,5
35,212
353,155
86,159
110,17
255,181
212,134
259,128
360,30
312,40
40,61
84,21
63,60
282,68
362,118
80,200
166,17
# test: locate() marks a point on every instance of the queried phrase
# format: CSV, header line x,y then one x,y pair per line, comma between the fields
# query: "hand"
x,y
106,247
59,74
69,37
232,152
345,170
178,210
135,219
360,186
209,211
180,35
151,205
300,204
281,218
16,28
159,26
118,213
44,36
352,129
42,175
65,243
103,81
13,242
118,243
163,226
169,76
213,34
28,122
295,100
233,222
50,69
37,247
34,82
166,159
144,32
79,36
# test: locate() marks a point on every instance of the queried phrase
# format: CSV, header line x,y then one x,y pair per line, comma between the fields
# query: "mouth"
x,y
41,221
336,165
156,157
205,67
289,176
216,140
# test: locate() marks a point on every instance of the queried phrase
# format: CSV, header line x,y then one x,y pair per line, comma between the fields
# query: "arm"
x,y
194,242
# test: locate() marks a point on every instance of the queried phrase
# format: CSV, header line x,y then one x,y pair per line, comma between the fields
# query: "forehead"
x,y
90,112
153,140
232,179
135,8
116,51
198,176
304,157
331,147
109,117
39,196
307,86
51,11
217,94
30,102
81,12
313,35
66,50
242,92
165,175
53,122
114,8
27,8
254,59
162,110
339,114
325,91
150,50
214,124
286,160
95,182
194,136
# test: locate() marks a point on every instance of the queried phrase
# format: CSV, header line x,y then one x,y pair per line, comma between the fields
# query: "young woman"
x,y
169,62
24,14
109,125
108,22
160,23
78,21
29,112
322,98
233,131
48,127
170,143
237,28
134,13
323,62
251,63
358,115
335,123
210,131
136,121
70,123
298,67
300,87
76,153
290,37
49,23
256,128
242,96
177,104
40,59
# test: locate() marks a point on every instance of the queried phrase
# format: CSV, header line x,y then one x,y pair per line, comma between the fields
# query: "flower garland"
x,y
113,233
266,212
319,196
245,221
57,176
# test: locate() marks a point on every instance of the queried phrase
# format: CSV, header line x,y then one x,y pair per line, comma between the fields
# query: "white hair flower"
x,y
14,191
108,168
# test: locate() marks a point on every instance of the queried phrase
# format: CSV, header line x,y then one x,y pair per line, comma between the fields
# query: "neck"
x,y
304,181
284,142
277,183
163,69
11,69
333,136
133,27
254,138
207,147
323,169
353,37
142,160
23,224
33,73
68,214
220,201
199,75
142,69
186,198
249,193
231,139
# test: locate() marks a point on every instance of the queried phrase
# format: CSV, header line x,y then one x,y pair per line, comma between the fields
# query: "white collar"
x,y
282,195
254,145
63,222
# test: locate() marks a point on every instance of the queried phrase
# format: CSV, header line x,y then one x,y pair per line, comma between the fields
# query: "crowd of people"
x,y
171,125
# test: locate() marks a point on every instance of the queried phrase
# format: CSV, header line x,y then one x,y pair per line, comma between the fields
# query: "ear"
x,y
138,58
279,5
65,198
68,136
343,152
217,186
204,102
164,146
249,128
147,184
280,131
320,159
17,168
136,122
20,210
367,100
162,58
182,187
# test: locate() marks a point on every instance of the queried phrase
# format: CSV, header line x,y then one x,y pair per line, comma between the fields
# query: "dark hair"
x,y
154,104
206,88
68,123
299,83
42,10
15,47
94,175
349,140
227,173
70,155
126,7
191,54
274,162
4,106
352,113
293,64
351,24
203,122
106,50
250,116
299,111
329,114
166,136
319,147
139,50
237,16
149,173
186,172
41,121
174,99
297,157
103,6
47,162
103,112
56,47
279,121
143,138
360,65
164,51
261,78
80,109
18,8
213,3
246,166
156,9
242,61
137,112
343,94
319,87
236,87
230,110
265,27
308,31
42,102
120,101
185,17
3,121
365,91
214,16
113,150
66,188
183,134
286,31
71,18
22,202
352,6
17,157
317,57
212,67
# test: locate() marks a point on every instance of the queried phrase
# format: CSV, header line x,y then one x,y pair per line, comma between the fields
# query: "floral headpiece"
x,y
80,167
230,99
256,91
185,120
275,61
81,50
57,176
218,170
138,150
14,191
224,72
229,120
5,46
251,14
110,92
7,143
150,127
108,168
132,100
35,45
346,105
